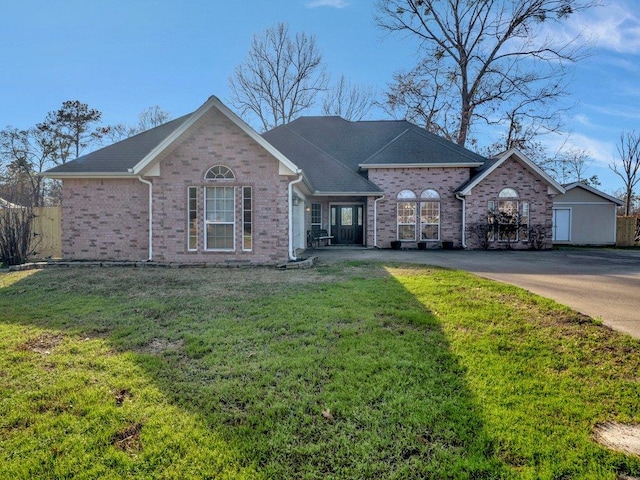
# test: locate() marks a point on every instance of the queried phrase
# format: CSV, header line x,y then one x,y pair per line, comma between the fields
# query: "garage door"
x,y
561,224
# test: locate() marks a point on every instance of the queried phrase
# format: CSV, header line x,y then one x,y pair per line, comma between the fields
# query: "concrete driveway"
x,y
601,283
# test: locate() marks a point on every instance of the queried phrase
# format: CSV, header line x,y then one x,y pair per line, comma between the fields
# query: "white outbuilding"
x,y
584,215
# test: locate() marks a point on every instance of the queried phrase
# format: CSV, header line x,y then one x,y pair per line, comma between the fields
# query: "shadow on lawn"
x,y
305,374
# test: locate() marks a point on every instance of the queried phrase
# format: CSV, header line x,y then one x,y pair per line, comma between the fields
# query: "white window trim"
x,y
228,175
495,233
189,189
206,222
400,224
422,202
319,225
429,199
250,249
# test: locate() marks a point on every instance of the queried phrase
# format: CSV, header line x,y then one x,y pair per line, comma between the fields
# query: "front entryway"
x,y
347,224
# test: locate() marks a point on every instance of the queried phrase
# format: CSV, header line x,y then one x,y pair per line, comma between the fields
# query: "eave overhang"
x,y
366,166
68,175
347,194
553,187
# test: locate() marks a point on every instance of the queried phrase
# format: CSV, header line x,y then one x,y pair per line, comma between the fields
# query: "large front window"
x,y
429,215
406,215
508,217
219,218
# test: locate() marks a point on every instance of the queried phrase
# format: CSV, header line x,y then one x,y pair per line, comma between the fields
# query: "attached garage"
x,y
584,215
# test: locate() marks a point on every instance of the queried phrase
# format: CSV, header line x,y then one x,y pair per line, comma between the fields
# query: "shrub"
x,y
16,235
538,236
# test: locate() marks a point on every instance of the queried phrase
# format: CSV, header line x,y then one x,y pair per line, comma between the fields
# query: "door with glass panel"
x,y
347,224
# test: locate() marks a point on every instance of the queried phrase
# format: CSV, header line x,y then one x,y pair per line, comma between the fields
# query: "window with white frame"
x,y
220,210
247,218
429,215
406,215
508,217
219,218
192,227
219,172
316,216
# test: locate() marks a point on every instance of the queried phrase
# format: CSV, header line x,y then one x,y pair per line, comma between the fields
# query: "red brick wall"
x,y
218,141
444,180
108,219
529,187
104,219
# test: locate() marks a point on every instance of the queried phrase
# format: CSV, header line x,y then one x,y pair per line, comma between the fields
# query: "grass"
x,y
354,370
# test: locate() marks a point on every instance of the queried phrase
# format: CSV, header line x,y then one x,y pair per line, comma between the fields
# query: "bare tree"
x,y
280,78
152,117
120,131
424,96
16,234
578,163
149,118
629,167
24,155
634,202
570,165
351,102
480,60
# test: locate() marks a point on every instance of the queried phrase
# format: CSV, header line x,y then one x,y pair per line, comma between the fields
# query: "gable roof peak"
x,y
132,156
491,165
595,191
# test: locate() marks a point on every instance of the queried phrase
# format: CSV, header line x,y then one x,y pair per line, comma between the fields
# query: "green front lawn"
x,y
354,370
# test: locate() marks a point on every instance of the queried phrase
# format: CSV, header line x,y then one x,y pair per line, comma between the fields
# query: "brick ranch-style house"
x,y
207,188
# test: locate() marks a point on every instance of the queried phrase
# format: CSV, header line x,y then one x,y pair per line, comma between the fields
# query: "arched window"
x,y
429,215
219,210
406,215
430,194
508,193
406,195
219,172
508,217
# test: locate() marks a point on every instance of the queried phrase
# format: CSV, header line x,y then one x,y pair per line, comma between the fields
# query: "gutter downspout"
x,y
464,219
375,221
292,250
150,216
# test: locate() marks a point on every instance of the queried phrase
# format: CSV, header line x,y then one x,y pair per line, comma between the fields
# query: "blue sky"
x,y
122,56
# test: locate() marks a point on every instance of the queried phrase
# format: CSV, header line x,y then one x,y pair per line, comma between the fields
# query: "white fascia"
x,y
365,166
347,194
112,175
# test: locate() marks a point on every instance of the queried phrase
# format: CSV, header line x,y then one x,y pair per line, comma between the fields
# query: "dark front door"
x,y
346,224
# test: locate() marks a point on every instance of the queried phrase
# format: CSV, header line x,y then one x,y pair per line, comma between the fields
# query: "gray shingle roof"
x,y
324,172
412,147
121,156
332,151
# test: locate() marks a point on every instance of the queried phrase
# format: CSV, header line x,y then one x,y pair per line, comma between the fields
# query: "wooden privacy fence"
x,y
47,229
628,231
